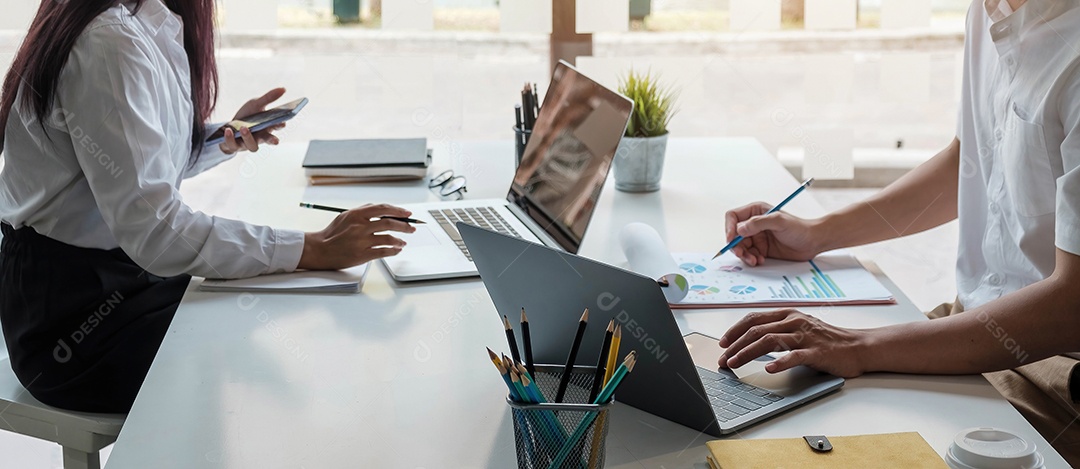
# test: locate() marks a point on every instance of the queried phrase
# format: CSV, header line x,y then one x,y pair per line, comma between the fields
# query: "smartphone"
x,y
259,121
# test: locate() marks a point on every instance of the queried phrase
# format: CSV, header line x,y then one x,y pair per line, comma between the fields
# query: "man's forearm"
x,y
922,199
1026,326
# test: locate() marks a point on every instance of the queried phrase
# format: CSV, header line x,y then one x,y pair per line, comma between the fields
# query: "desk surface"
x,y
397,376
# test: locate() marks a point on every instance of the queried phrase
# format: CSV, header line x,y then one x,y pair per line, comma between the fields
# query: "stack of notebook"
x,y
357,161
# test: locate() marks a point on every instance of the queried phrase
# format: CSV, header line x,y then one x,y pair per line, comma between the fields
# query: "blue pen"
x,y
738,239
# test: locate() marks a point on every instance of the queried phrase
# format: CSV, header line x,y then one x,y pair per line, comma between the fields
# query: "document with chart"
x,y
695,280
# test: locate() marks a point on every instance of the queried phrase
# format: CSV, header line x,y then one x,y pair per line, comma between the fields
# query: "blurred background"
x,y
874,84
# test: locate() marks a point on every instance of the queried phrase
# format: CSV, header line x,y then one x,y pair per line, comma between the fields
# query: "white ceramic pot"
x,y
639,163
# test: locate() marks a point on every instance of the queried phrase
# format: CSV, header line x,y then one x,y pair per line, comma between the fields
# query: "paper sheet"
x,y
649,257
338,281
701,282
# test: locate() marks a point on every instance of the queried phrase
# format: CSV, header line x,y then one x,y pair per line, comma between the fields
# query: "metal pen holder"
x,y
521,140
541,430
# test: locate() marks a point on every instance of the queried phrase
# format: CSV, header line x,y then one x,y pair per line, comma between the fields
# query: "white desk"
x,y
398,377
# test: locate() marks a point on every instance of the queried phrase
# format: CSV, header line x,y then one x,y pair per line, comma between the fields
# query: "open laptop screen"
x,y
569,154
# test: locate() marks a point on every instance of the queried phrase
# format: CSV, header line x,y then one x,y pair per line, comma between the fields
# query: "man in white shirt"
x,y
1012,176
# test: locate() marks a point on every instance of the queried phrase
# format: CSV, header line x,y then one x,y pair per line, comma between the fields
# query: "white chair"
x,y
81,434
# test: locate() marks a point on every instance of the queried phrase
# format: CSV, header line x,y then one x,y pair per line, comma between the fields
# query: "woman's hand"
x,y
250,141
354,238
811,342
777,235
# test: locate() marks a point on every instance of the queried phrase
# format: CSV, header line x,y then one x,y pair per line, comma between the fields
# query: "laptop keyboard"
x,y
731,398
483,217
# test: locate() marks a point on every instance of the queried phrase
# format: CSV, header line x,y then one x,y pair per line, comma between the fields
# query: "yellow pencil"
x,y
613,354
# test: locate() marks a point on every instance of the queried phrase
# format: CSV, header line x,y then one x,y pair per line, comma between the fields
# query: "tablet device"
x,y
259,121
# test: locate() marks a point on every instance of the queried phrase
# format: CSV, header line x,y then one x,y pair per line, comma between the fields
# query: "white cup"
x,y
992,448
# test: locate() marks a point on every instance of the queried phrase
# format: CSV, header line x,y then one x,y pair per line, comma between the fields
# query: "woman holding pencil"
x,y
104,112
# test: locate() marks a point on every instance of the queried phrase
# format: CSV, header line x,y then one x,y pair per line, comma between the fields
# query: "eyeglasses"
x,y
449,184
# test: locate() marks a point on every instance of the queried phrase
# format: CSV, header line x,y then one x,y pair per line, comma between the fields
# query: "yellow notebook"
x,y
907,450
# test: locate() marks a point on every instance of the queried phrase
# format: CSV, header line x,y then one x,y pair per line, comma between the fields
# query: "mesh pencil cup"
x,y
541,430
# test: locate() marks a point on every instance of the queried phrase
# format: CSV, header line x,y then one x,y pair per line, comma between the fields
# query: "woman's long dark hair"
x,y
58,25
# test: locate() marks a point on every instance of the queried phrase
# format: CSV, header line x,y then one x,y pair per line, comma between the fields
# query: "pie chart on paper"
x,y
692,268
743,289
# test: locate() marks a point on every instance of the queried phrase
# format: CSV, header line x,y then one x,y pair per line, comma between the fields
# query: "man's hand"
x,y
777,235
811,342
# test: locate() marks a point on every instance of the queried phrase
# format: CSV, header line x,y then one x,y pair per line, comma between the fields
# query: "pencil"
x,y
601,361
609,390
510,339
738,239
505,374
531,388
524,372
617,378
515,381
526,340
613,353
411,221
556,432
572,357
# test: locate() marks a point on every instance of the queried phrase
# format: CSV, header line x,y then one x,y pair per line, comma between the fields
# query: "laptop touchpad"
x,y
422,237
787,382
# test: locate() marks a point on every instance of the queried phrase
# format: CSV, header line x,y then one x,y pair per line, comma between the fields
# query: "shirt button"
x,y
995,279
998,135
993,207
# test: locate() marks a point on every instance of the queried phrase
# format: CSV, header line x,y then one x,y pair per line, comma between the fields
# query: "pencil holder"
x,y
542,430
521,140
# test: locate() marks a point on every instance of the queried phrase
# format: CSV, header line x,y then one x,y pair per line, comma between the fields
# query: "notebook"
x,y
336,281
372,159
907,450
696,280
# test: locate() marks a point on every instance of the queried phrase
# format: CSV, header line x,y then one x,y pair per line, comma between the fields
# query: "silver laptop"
x,y
552,196
675,377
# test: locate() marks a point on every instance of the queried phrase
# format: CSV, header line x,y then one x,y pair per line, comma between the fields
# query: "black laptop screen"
x,y
569,155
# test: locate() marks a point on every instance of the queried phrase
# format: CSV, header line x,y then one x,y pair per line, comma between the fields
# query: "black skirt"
x,y
82,326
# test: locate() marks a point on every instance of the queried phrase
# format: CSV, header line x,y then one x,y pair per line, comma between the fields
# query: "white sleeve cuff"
x,y
1068,236
288,247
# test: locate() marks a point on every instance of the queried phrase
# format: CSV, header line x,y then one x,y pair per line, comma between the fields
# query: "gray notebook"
x,y
373,153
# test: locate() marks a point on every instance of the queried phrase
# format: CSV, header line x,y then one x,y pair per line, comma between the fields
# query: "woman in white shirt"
x,y
1012,177
104,112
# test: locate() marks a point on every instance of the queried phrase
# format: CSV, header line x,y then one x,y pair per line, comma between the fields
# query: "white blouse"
x,y
1019,131
106,171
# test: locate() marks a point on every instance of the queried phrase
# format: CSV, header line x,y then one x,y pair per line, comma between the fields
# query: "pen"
x,y
738,239
536,103
411,221
517,116
530,106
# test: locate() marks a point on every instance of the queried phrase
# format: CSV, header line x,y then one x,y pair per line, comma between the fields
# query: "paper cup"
x,y
992,448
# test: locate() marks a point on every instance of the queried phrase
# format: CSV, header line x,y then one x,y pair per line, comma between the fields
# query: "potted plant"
x,y
639,161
